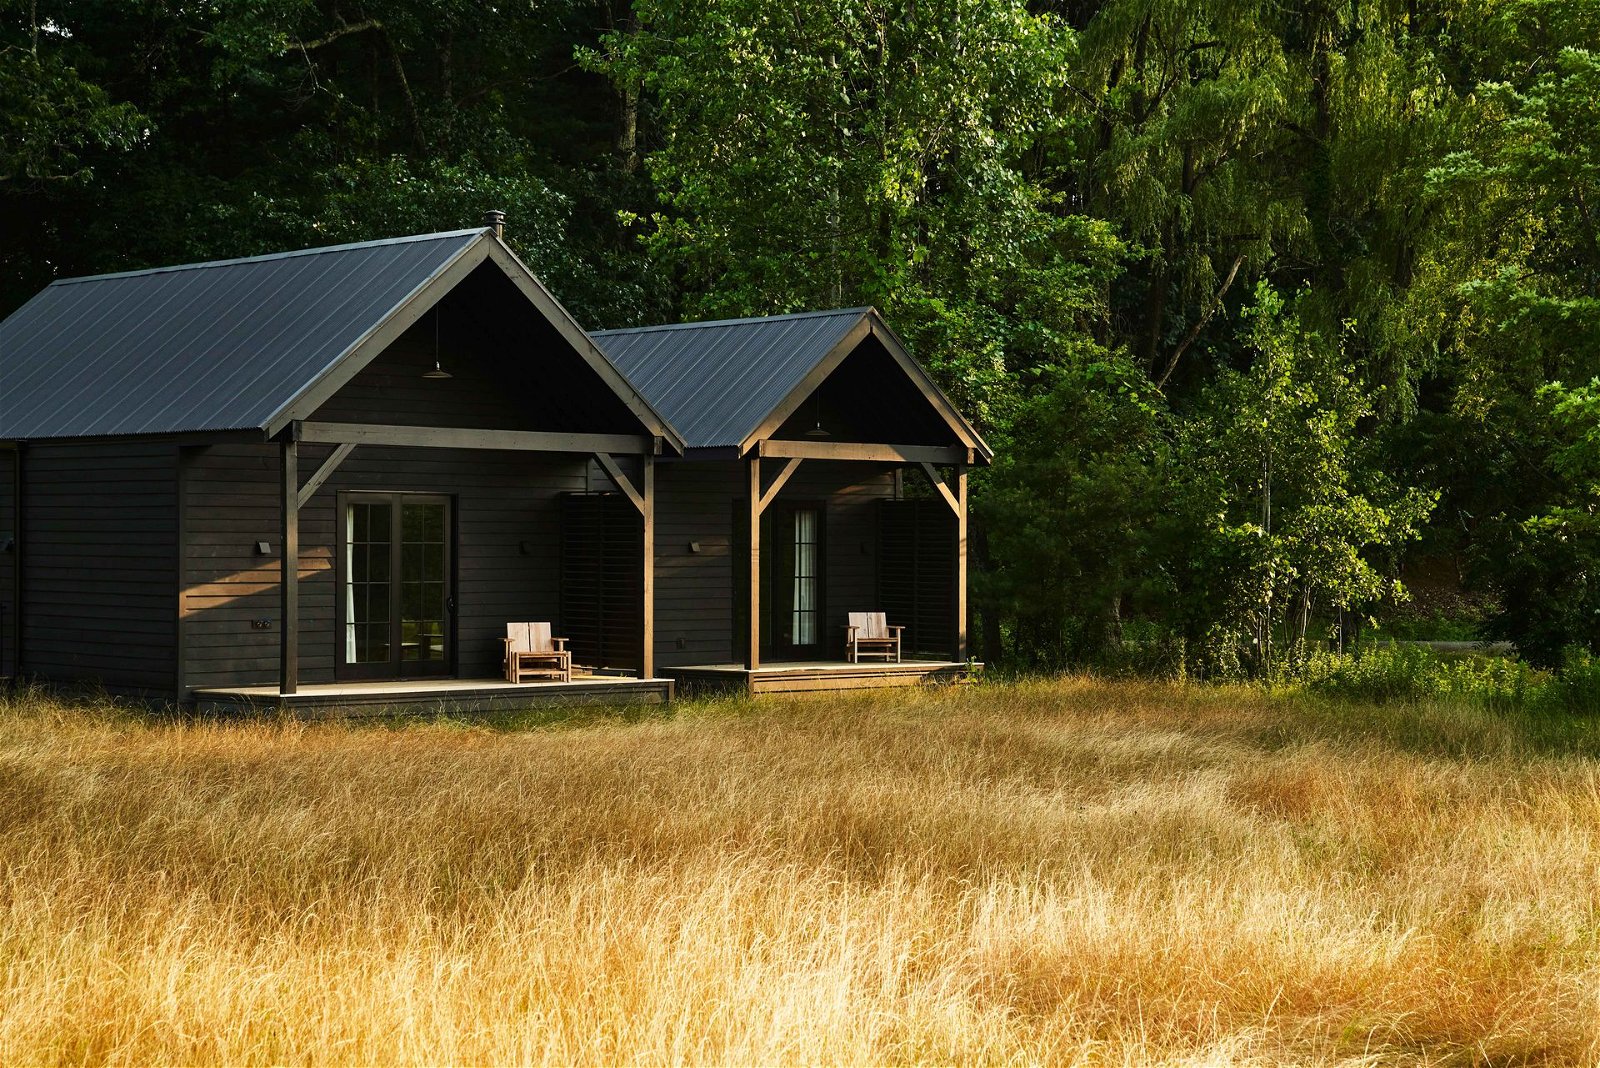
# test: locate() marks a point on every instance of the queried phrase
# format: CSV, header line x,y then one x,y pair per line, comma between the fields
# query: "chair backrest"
x,y
530,637
870,624
539,638
517,635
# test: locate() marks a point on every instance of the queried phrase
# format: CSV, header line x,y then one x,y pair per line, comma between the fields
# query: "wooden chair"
x,y
531,653
868,634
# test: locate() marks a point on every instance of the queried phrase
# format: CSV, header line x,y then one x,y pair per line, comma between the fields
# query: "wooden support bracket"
x,y
778,481
329,466
623,482
944,491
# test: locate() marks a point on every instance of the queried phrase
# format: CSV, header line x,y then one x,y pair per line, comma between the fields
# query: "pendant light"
x,y
437,371
817,431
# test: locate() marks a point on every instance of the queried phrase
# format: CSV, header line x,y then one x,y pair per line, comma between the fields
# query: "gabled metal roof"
x,y
720,382
204,346
242,344
716,381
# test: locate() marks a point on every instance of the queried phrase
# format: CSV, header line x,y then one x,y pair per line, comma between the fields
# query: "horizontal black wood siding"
x,y
507,514
100,565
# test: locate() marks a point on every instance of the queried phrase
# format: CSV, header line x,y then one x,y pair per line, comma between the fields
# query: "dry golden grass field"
x,y
1070,872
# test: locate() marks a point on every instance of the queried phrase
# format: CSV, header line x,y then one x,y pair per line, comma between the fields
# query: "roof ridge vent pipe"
x,y
495,220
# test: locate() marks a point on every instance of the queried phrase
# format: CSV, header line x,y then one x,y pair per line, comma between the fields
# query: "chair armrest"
x,y
898,629
560,644
851,627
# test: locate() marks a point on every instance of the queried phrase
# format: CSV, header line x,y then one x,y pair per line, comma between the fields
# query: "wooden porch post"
x,y
752,657
647,636
18,549
289,579
961,564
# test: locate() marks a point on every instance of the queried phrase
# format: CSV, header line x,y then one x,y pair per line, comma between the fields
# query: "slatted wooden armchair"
x,y
869,634
531,653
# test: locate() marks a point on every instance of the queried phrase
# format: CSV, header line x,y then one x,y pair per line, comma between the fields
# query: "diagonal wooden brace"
x,y
944,491
624,483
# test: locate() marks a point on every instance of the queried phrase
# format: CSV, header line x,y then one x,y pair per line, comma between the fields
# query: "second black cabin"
x,y
824,474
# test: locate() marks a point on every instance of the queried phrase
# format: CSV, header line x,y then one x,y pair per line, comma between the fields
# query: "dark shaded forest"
x,y
1284,319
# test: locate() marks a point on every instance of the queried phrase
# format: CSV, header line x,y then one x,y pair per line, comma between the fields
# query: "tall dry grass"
x,y
1066,872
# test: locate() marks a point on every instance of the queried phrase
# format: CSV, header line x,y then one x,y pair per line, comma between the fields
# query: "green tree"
x,y
1290,519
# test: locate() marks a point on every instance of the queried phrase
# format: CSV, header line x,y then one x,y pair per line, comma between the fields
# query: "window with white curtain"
x,y
804,622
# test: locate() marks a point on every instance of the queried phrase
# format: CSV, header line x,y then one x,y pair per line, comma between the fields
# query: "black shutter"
x,y
916,572
602,579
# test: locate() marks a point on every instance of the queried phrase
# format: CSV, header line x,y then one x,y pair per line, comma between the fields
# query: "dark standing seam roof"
x,y
201,347
717,381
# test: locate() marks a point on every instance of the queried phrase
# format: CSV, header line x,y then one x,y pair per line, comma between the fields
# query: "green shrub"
x,y
1576,687
1390,672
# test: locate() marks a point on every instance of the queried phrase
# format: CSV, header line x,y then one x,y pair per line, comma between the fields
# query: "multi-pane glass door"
x,y
805,604
395,596
792,581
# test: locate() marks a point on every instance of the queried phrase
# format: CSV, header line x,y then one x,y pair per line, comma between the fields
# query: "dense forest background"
x,y
1265,307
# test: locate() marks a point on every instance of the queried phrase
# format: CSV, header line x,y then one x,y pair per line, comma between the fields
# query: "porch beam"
x,y
318,477
624,483
777,483
289,578
647,635
431,437
752,657
944,491
849,450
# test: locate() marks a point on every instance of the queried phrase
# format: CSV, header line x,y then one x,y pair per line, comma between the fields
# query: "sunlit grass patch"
x,y
1046,871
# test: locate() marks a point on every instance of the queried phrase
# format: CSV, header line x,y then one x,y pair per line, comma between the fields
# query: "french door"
x,y
396,591
793,580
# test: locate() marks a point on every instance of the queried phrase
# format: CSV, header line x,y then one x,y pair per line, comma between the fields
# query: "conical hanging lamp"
x,y
438,370
817,431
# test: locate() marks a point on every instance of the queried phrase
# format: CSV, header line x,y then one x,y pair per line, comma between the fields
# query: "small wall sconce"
x,y
263,548
694,546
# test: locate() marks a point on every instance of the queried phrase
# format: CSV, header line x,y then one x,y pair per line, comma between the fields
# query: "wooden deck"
x,y
813,675
435,696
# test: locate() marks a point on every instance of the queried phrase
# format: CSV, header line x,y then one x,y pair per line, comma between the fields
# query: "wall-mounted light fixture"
x,y
263,548
694,546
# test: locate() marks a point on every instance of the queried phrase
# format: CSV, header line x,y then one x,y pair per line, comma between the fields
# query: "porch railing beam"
x,y
430,437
